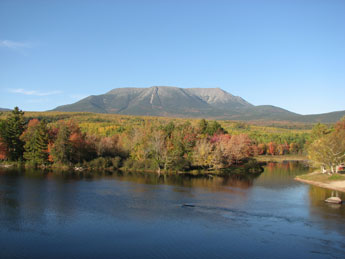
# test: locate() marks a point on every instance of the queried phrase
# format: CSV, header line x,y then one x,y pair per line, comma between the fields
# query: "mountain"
x,y
188,102
4,110
162,101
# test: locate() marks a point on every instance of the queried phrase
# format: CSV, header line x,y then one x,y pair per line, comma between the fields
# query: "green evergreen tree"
x,y
169,129
214,127
202,126
11,130
36,145
62,148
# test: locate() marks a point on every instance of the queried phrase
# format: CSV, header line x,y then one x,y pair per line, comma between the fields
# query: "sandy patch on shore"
x,y
332,185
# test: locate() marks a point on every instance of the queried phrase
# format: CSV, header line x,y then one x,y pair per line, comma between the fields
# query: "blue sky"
x,y
286,53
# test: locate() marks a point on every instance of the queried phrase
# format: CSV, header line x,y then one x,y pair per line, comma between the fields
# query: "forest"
x,y
103,141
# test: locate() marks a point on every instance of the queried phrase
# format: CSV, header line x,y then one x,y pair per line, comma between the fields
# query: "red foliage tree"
x,y
3,150
271,150
340,125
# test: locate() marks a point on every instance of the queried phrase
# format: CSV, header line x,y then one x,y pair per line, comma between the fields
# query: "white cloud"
x,y
14,44
33,92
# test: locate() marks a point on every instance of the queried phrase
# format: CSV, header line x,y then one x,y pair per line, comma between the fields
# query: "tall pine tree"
x,y
36,142
62,149
11,130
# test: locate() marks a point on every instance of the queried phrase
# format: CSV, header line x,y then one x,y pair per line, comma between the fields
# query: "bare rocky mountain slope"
x,y
188,102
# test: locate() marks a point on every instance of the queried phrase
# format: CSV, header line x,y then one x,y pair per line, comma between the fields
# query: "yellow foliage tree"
x,y
329,151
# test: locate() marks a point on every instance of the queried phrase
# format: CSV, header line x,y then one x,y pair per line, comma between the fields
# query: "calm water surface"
x,y
46,215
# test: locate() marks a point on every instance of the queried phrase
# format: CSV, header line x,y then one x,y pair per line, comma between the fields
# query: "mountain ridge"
x,y
188,102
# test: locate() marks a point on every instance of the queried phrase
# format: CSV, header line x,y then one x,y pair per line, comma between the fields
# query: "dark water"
x,y
46,215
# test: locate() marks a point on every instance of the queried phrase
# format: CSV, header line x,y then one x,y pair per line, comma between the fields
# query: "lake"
x,y
133,215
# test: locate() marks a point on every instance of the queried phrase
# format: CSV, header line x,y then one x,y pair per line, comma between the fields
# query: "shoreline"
x,y
257,169
331,185
281,158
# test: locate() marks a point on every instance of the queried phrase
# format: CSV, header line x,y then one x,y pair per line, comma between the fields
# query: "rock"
x,y
188,205
335,200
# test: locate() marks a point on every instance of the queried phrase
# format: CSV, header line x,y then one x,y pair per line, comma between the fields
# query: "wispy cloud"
x,y
14,44
33,92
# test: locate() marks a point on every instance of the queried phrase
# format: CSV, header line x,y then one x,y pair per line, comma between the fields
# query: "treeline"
x,y
59,144
143,147
152,143
274,140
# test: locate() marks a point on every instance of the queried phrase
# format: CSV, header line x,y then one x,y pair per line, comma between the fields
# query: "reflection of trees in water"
x,y
238,180
205,181
37,195
211,182
332,215
280,175
285,169
275,175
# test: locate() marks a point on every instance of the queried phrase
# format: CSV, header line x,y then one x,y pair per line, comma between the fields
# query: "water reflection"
x,y
279,175
332,216
39,209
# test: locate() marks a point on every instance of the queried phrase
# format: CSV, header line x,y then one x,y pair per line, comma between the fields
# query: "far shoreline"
x,y
281,158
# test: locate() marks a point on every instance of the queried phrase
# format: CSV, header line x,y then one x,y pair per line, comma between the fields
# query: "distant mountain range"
x,y
188,102
4,110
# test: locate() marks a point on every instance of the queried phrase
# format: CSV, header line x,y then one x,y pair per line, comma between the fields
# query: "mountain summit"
x,y
161,101
187,102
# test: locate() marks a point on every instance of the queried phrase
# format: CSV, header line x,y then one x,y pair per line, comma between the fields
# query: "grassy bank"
x,y
334,182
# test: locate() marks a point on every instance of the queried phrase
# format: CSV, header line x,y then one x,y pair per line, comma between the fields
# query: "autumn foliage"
x,y
3,150
96,140
328,148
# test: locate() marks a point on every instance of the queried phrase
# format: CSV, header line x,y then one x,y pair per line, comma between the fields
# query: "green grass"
x,y
323,178
336,177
